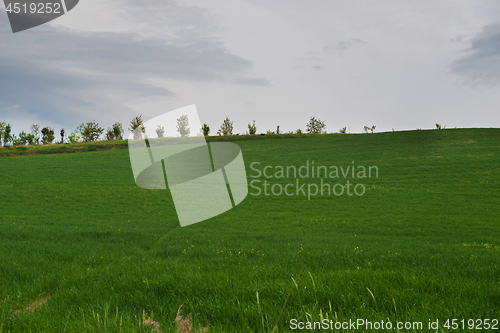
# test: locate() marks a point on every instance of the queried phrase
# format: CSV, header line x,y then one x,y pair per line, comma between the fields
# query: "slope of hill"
x,y
91,251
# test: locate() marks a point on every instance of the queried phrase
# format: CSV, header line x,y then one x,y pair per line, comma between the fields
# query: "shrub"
x,y
90,131
299,131
205,129
439,126
182,126
343,130
226,127
315,126
366,129
135,123
373,128
47,135
252,129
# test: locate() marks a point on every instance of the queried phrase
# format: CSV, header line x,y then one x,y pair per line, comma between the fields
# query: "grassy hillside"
x,y
79,237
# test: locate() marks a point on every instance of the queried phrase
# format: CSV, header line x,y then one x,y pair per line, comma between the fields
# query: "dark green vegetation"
x,y
424,240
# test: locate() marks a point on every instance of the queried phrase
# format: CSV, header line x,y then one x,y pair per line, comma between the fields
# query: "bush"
x,y
343,130
299,131
47,135
226,127
90,131
439,126
252,129
205,129
315,126
182,126
135,123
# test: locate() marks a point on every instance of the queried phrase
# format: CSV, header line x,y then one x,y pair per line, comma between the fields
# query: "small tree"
x,y
6,136
110,134
373,128
438,126
3,124
118,131
47,135
298,131
23,139
135,123
315,126
35,130
226,127
343,130
205,129
62,132
15,140
30,138
74,137
160,131
252,129
90,131
366,129
182,126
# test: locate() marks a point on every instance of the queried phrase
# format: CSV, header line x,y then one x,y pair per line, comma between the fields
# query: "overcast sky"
x,y
393,64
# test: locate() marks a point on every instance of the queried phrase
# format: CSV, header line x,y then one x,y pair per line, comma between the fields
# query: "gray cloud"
x,y
458,39
482,65
344,45
69,76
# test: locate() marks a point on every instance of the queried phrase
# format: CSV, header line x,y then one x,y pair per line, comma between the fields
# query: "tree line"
x,y
91,131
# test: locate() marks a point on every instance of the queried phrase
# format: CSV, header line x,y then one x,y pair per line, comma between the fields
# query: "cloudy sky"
x,y
393,64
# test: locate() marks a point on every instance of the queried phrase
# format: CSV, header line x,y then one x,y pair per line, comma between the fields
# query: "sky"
x,y
398,65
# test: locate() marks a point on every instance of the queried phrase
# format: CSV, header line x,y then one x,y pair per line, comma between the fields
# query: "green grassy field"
x,y
423,242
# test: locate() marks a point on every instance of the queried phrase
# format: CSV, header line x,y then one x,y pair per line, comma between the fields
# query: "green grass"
x,y
422,242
